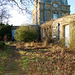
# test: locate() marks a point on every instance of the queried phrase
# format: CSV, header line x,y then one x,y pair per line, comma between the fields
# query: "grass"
x,y
39,62
36,61
4,56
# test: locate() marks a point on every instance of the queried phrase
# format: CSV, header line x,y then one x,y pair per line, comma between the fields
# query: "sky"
x,y
19,18
24,19
72,7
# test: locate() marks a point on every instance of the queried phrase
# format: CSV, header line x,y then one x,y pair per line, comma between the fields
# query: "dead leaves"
x,y
43,60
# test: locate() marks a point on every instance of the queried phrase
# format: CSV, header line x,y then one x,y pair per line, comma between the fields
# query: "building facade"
x,y
66,31
45,10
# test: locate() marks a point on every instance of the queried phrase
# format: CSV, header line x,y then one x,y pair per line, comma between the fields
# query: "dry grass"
x,y
39,60
46,60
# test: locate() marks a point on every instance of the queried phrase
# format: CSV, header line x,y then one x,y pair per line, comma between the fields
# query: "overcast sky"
x,y
19,19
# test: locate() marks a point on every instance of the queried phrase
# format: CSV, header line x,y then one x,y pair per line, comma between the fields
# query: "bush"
x,y
26,34
5,29
2,44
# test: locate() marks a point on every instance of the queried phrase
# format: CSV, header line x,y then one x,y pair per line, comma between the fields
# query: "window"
x,y
55,16
54,32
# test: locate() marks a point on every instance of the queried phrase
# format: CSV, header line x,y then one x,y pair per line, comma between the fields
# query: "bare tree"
x,y
4,12
23,5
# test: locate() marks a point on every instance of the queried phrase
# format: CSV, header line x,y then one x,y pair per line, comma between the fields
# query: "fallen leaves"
x,y
42,60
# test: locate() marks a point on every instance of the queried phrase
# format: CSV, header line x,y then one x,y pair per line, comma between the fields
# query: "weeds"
x,y
3,56
38,61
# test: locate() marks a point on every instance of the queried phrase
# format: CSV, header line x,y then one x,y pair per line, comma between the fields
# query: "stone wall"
x,y
72,34
46,31
67,20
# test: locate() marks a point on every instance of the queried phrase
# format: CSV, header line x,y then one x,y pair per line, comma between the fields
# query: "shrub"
x,y
2,44
5,29
26,34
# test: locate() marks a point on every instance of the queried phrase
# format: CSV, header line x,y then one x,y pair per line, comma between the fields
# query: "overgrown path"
x,y
38,60
12,64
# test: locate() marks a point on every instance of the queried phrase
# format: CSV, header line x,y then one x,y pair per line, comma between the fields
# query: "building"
x,y
46,31
45,10
66,30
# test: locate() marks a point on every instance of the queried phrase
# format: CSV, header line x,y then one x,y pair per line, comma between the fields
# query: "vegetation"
x,y
26,34
5,30
4,11
4,52
47,27
2,44
23,5
36,60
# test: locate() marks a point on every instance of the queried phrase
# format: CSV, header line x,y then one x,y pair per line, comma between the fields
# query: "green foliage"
x,y
26,34
3,56
2,44
5,30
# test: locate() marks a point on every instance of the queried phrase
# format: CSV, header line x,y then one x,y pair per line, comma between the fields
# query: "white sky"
x,y
20,19
72,3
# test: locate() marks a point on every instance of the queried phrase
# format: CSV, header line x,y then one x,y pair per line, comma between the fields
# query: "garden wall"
x,y
72,34
65,21
46,31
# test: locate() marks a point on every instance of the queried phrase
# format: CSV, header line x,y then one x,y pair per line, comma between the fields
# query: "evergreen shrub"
x,y
5,30
2,44
26,34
